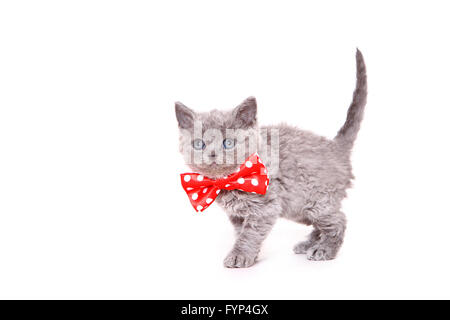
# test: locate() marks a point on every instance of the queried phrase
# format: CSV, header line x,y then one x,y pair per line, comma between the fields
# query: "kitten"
x,y
309,174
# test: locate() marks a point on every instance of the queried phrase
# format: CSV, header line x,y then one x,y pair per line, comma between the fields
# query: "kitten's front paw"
x,y
239,260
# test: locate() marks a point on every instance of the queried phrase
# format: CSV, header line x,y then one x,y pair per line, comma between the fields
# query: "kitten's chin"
x,y
215,171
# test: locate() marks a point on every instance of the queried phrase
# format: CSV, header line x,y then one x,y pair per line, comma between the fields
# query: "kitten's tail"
x,y
347,134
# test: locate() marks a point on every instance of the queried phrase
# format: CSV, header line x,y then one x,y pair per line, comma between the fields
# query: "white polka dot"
x,y
254,182
199,208
205,190
209,200
238,169
187,178
227,185
189,188
200,178
241,180
194,196
248,164
267,181
259,160
265,171
217,192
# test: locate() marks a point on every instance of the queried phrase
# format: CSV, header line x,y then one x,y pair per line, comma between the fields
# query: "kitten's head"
x,y
216,143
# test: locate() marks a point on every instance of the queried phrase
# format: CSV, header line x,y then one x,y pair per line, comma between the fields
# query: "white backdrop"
x,y
90,200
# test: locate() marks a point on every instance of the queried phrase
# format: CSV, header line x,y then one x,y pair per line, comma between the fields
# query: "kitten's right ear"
x,y
185,116
245,113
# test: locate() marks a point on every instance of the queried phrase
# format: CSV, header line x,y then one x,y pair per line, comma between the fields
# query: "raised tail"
x,y
347,134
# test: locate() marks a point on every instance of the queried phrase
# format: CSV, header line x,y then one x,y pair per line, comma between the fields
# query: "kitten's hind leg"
x,y
303,246
331,229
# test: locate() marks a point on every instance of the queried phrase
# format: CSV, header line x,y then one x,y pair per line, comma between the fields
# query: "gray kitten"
x,y
308,177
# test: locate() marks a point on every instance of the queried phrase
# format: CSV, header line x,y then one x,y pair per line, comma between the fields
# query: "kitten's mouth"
x,y
215,170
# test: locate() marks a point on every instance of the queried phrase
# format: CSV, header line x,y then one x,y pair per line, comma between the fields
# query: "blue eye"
x,y
229,143
198,144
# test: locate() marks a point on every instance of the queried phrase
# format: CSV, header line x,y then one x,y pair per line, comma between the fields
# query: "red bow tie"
x,y
202,191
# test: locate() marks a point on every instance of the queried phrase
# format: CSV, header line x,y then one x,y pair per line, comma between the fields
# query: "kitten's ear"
x,y
245,113
185,116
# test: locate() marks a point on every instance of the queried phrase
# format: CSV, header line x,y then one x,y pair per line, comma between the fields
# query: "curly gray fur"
x,y
307,185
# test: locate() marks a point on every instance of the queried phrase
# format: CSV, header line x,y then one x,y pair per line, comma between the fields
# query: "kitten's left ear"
x,y
245,113
185,116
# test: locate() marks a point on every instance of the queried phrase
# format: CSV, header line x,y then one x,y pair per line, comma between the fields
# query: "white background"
x,y
90,200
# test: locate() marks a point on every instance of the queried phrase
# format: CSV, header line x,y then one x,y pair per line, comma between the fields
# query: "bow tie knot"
x,y
202,191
